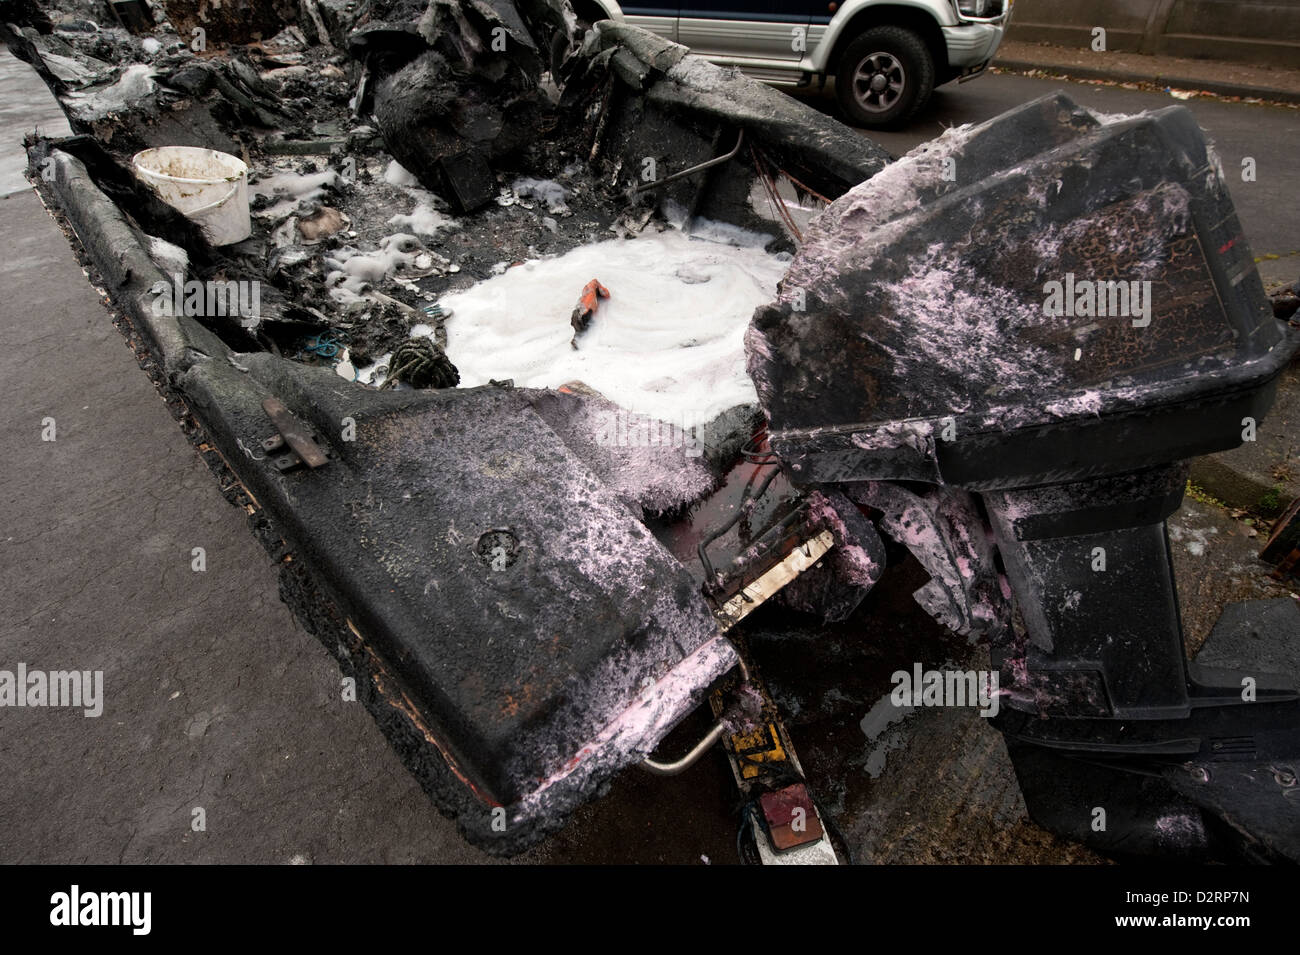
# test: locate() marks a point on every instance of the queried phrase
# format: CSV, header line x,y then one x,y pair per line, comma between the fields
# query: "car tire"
x,y
884,77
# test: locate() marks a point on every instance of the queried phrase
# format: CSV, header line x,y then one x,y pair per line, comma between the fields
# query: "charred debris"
x,y
402,150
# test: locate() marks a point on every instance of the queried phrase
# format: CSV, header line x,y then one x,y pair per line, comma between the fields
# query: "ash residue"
x,y
654,478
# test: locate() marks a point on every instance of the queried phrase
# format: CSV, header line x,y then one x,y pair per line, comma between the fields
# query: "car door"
x,y
660,20
745,29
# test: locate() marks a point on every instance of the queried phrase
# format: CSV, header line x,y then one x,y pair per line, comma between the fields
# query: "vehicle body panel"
x,y
759,36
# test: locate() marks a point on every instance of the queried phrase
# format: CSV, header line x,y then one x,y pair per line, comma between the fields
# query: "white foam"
x,y
397,175
713,231
424,219
548,190
668,342
309,186
291,189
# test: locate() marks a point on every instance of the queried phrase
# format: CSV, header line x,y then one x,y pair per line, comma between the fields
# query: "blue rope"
x,y
322,346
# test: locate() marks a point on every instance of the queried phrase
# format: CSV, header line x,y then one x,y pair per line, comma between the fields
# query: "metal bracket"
x,y
800,558
295,444
707,164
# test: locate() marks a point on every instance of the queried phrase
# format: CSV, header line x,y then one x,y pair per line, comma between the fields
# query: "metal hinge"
x,y
295,444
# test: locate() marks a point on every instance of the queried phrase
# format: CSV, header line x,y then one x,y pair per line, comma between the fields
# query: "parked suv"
x,y
886,56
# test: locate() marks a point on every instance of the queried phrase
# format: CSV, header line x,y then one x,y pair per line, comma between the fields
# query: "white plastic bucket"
x,y
209,187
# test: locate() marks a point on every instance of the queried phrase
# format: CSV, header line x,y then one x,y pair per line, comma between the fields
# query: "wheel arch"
x,y
918,19
593,10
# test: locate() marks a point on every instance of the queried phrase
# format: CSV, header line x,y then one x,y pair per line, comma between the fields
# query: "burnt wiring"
x,y
747,503
757,451
773,195
806,189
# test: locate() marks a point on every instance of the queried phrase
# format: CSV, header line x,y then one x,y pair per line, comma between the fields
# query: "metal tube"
x,y
656,768
716,161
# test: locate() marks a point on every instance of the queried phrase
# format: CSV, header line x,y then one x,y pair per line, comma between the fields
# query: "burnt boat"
x,y
530,592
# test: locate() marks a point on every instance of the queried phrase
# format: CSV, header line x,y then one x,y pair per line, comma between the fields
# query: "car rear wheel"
x,y
884,77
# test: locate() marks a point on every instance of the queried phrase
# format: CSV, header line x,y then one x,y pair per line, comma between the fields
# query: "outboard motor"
x,y
1038,321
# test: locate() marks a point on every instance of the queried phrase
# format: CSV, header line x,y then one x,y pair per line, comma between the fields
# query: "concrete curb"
x,y
1260,476
1176,82
1237,487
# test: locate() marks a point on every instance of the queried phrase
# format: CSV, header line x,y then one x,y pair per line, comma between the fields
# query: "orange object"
x,y
589,301
591,293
